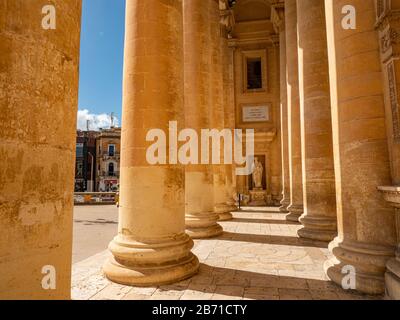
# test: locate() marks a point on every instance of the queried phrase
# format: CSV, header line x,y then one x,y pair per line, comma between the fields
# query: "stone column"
x,y
232,106
365,223
151,247
278,18
217,109
293,105
38,106
229,123
201,220
319,218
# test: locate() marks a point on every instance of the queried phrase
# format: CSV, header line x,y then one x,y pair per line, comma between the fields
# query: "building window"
x,y
79,150
254,73
111,169
111,150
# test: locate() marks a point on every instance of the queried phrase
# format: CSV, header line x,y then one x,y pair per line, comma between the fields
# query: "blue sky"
x,y
101,61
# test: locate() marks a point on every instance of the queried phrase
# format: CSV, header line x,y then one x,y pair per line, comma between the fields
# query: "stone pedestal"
x,y
319,218
201,219
366,233
257,198
392,276
293,105
152,247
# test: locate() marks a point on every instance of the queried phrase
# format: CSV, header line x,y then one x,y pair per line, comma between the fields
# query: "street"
x,y
94,228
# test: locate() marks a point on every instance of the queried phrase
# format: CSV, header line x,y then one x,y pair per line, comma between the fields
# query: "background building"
x,y
108,144
85,175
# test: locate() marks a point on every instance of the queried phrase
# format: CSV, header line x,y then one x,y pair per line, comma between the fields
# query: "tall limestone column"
x,y
293,105
229,123
201,220
278,18
38,106
366,224
217,109
151,247
319,218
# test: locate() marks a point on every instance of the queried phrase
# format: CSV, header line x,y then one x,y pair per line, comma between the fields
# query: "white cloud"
x,y
97,121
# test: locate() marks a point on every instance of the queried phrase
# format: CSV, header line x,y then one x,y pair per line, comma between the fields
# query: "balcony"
x,y
114,174
106,156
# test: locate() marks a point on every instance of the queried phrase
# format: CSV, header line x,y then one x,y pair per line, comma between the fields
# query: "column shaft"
x,y
217,107
319,218
38,106
201,220
229,123
365,223
284,124
152,247
293,105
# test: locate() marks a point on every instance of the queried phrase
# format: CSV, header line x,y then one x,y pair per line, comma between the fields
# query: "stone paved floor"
x,y
259,257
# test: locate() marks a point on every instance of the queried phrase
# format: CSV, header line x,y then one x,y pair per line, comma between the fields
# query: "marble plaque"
x,y
255,113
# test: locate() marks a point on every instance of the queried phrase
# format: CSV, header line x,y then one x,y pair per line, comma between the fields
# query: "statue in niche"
x,y
257,174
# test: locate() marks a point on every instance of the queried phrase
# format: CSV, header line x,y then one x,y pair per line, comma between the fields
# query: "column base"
x,y
320,228
392,278
368,260
224,211
295,212
226,216
203,225
284,205
151,262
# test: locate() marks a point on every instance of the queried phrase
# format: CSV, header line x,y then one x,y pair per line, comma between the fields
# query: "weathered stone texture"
x,y
38,106
365,223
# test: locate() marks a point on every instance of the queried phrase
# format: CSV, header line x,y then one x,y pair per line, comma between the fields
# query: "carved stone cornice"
x,y
278,16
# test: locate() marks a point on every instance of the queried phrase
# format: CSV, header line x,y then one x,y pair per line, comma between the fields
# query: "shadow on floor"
x,y
264,221
93,222
270,239
259,286
260,210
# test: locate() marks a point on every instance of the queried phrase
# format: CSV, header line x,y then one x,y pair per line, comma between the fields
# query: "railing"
x,y
110,174
107,156
95,198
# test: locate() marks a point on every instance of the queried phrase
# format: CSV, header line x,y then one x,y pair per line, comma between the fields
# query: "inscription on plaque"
x,y
255,113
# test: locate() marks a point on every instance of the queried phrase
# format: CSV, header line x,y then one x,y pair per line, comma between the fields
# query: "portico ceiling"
x,y
252,10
